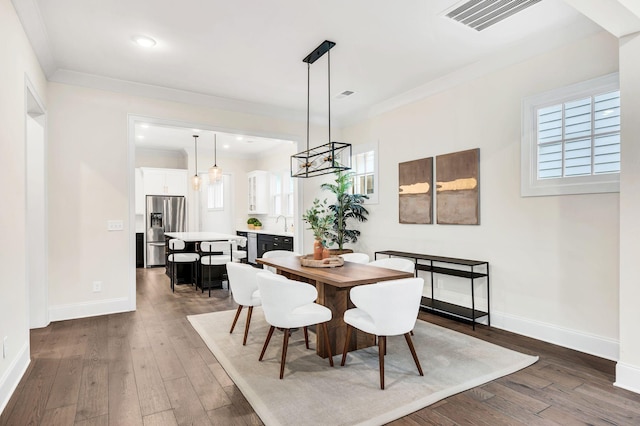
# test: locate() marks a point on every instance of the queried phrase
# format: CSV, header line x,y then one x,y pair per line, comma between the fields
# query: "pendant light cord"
x,y
195,137
308,95
329,89
215,150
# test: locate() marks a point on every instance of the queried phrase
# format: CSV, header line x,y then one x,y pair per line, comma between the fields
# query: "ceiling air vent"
x,y
481,14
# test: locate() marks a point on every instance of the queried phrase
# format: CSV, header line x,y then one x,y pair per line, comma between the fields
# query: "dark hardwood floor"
x,y
150,367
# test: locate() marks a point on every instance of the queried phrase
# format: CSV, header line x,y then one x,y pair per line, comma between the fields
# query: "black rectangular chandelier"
x,y
329,157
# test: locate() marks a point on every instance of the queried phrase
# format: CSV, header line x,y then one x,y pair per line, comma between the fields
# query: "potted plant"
x,y
320,219
254,223
347,206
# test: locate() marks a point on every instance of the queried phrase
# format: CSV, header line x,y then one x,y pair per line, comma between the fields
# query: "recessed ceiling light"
x,y
226,146
140,136
144,125
144,41
344,94
238,138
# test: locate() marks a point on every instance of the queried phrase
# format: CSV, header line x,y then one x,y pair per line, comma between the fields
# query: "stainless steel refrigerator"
x,y
164,214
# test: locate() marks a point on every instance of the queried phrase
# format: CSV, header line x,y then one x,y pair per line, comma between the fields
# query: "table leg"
x,y
337,299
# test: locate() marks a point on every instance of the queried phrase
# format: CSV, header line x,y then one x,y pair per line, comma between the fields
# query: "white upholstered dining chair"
x,y
388,308
289,304
244,288
397,263
356,257
277,253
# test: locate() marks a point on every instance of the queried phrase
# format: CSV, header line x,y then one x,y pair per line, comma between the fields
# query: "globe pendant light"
x,y
215,172
332,156
195,180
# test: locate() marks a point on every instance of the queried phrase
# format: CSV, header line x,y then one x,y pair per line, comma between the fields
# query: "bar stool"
x,y
214,254
239,255
176,256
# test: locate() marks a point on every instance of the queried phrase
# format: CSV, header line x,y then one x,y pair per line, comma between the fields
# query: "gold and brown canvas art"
x,y
458,188
415,191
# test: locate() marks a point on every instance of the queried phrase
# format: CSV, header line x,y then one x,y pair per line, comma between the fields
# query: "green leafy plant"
x,y
254,221
346,207
320,219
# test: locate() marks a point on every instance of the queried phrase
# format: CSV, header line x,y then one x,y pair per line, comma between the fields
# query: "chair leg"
x,y
413,352
171,276
174,275
266,342
382,349
235,320
285,344
346,345
202,284
326,342
246,327
306,336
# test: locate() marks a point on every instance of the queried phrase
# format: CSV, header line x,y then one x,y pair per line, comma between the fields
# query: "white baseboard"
x,y
573,339
10,379
627,377
89,309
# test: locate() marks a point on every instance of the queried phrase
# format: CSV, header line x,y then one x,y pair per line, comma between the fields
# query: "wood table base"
x,y
336,299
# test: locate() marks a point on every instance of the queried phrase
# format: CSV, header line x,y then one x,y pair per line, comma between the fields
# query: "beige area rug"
x,y
313,393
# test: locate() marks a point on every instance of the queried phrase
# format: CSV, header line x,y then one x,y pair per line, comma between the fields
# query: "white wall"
x,y
18,61
554,260
628,368
160,158
89,184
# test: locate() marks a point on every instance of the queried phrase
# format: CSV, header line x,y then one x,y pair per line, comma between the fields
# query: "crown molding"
x,y
176,95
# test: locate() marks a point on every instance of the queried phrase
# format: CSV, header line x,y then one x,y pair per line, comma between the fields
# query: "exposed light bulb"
x,y
215,174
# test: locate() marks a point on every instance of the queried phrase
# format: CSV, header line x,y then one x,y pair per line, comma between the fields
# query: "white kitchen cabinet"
x,y
258,191
165,181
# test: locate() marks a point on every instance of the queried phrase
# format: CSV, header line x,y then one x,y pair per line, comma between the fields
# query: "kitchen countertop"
x,y
202,236
266,231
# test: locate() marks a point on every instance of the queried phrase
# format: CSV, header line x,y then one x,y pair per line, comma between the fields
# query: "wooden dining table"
x,y
333,285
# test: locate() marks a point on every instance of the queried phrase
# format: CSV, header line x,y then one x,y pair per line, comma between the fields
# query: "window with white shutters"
x,y
364,170
571,139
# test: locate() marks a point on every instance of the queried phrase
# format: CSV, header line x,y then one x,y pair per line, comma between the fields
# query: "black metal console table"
x,y
476,269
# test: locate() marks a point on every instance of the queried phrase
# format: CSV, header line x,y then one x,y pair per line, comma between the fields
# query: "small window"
x,y
215,195
364,167
571,139
281,192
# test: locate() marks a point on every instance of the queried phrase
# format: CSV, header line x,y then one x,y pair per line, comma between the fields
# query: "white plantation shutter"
x,y
580,137
571,139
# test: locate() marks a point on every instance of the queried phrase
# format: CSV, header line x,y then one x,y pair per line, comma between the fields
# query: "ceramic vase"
x,y
326,252
317,250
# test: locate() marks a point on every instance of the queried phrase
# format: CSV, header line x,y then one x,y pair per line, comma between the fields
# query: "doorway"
x,y
36,211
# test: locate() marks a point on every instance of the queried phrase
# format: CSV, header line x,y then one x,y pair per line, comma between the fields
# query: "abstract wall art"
x,y
415,191
458,188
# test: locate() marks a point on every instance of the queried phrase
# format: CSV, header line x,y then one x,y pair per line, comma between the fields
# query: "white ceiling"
x,y
249,53
155,136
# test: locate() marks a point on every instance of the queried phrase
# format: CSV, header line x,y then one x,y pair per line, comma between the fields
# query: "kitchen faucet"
x,y
285,222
